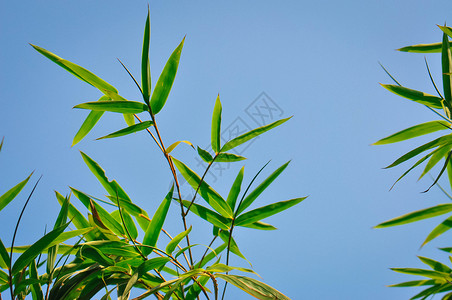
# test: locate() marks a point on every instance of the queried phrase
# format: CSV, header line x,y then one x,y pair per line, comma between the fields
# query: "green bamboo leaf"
x,y
205,155
446,63
195,290
235,189
253,287
260,225
233,247
88,124
174,145
419,97
4,278
165,81
211,255
60,221
421,272
423,48
206,192
412,167
128,130
257,191
96,255
152,264
120,106
4,257
208,215
221,268
436,156
25,259
176,240
266,211
7,197
438,230
415,283
130,119
152,233
418,215
228,157
216,126
112,187
435,265
145,65
128,222
414,131
435,143
36,290
250,135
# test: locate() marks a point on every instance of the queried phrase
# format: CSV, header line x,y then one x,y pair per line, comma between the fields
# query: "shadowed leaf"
x,y
228,157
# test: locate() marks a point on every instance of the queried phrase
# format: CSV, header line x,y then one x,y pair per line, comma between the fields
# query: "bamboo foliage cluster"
x,y
113,248
437,276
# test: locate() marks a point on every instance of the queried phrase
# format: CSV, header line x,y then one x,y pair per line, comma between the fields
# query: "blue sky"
x,y
316,60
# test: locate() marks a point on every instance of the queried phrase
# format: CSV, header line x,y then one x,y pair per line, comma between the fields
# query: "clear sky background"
x,y
317,60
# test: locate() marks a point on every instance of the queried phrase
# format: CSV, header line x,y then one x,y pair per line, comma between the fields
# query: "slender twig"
x,y
14,238
431,78
207,250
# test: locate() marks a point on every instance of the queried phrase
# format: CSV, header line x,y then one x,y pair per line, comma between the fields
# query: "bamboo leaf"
x,y
228,157
129,130
152,264
447,30
174,145
423,48
145,65
421,272
7,197
165,81
4,257
415,283
208,215
235,189
446,63
153,231
96,255
211,255
119,106
36,290
26,258
419,97
266,211
216,126
253,287
436,156
435,265
233,247
205,155
260,225
250,135
206,192
257,191
60,221
414,131
128,223
418,215
438,230
176,240
88,124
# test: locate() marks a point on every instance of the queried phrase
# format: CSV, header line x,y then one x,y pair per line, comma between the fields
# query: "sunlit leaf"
x,y
205,155
228,157
415,283
419,97
414,131
165,81
418,215
153,231
257,191
211,255
174,145
438,230
446,63
145,65
266,211
250,135
128,130
4,256
260,225
206,192
176,240
436,156
253,287
60,221
216,126
128,225
7,197
230,241
208,215
435,265
423,48
125,107
36,290
421,272
235,189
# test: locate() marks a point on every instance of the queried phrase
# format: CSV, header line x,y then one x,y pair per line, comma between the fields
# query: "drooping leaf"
x,y
145,65
176,240
206,192
419,97
208,215
235,189
447,30
88,124
266,211
435,265
216,126
250,135
128,130
438,230
257,191
253,287
418,215
120,106
153,231
211,255
174,145
205,155
436,156
7,197
35,249
96,255
414,131
228,157
165,81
